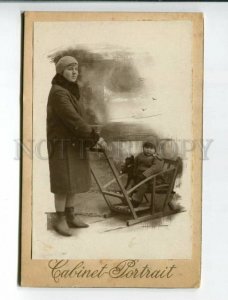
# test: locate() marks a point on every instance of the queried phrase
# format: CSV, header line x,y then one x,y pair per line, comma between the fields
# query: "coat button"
x,y
73,144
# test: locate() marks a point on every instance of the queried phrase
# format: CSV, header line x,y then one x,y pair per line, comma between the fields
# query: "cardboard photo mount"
x,y
156,273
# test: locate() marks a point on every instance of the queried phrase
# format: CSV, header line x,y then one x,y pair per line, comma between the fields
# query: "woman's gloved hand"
x,y
102,144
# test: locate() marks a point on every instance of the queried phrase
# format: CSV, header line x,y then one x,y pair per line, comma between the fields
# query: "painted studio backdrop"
x,y
135,80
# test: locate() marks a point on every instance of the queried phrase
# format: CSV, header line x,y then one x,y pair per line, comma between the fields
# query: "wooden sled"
x,y
143,212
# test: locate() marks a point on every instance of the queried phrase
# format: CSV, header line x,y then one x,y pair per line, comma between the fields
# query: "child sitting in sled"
x,y
146,163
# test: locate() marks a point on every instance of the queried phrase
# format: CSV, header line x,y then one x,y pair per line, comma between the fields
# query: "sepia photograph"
x,y
112,137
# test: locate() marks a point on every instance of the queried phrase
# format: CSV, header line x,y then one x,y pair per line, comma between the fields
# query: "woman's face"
x,y
71,72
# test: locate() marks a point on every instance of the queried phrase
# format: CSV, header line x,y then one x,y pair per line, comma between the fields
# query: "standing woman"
x,y
68,135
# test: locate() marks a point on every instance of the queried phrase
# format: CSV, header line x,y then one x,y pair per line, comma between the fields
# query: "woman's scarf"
x,y
72,87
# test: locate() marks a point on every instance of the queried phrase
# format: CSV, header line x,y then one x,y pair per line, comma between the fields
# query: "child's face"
x,y
148,151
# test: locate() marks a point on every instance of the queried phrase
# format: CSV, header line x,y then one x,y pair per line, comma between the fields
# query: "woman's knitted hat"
x,y
64,62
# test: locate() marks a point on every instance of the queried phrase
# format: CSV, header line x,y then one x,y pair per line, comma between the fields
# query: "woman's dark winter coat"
x,y
68,135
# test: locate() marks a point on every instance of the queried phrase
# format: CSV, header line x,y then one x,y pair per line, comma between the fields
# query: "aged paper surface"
x,y
153,87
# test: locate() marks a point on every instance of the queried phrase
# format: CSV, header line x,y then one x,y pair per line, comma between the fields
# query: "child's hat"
x,y
148,144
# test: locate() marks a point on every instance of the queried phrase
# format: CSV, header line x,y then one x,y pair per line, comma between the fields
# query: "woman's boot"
x,y
61,225
72,220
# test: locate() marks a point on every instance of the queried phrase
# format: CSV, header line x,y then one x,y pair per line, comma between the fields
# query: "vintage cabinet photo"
x,y
112,149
